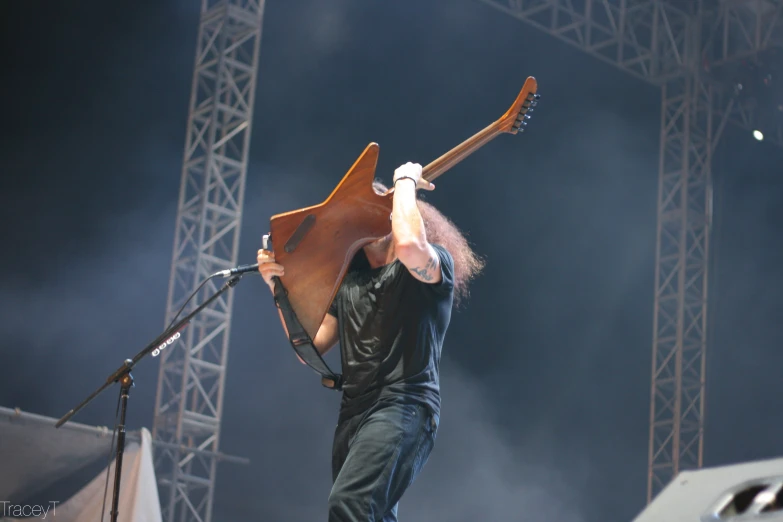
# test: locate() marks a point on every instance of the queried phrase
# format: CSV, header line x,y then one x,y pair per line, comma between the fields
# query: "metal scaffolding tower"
x,y
679,46
192,375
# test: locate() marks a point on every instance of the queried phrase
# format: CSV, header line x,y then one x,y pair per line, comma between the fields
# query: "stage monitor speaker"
x,y
751,491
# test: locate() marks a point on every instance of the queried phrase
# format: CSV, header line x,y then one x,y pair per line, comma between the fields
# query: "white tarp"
x,y
35,455
138,490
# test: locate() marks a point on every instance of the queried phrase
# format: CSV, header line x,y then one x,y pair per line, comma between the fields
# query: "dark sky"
x,y
546,371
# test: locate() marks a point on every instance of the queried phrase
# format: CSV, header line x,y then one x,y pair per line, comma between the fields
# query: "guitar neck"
x,y
460,152
512,122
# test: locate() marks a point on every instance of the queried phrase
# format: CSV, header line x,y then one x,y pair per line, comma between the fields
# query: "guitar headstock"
x,y
516,117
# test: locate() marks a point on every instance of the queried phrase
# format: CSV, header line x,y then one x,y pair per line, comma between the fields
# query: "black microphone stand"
x,y
123,376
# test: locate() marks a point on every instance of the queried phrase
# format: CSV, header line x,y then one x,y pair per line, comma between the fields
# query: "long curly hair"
x,y
442,231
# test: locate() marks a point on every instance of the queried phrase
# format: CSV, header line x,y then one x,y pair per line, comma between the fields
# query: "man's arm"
x,y
410,239
327,334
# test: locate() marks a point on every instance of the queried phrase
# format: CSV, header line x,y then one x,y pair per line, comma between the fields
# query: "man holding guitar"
x,y
390,315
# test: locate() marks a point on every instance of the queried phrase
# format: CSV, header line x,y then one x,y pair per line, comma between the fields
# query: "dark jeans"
x,y
376,456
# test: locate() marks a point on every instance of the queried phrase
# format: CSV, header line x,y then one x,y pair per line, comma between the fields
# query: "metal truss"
x,y
695,109
645,38
745,114
192,375
660,42
739,29
682,252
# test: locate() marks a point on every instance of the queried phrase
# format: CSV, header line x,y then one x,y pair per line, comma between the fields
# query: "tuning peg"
x,y
537,96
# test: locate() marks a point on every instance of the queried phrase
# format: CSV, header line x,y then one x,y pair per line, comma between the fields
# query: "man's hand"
x,y
268,268
412,171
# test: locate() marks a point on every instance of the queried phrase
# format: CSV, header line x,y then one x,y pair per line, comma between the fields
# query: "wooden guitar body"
x,y
316,244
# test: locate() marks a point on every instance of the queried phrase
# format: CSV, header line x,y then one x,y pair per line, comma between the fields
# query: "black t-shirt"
x,y
391,333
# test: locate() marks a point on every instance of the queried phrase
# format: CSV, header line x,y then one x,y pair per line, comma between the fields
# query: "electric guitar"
x,y
316,244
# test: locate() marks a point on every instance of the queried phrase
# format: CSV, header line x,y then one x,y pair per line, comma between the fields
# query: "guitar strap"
x,y
301,342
